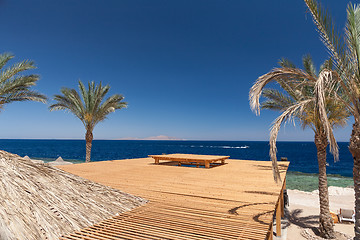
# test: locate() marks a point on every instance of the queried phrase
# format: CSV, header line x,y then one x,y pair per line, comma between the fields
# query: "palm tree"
x,y
15,87
88,106
345,50
296,100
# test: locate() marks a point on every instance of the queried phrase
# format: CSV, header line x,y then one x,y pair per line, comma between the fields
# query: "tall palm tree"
x,y
296,100
14,86
345,50
89,106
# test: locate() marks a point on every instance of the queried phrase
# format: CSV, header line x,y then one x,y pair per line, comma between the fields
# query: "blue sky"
x,y
185,67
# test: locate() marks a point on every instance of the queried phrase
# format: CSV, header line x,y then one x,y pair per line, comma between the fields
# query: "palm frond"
x,y
338,116
15,87
18,83
352,80
290,77
275,100
320,88
352,33
16,68
100,94
285,116
5,58
83,92
20,96
70,101
286,63
328,34
110,105
328,64
309,65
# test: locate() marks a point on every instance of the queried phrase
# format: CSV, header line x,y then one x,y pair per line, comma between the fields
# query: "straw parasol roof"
x,y
39,201
59,161
33,160
37,161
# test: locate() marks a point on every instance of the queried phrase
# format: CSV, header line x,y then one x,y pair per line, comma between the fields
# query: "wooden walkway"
x,y
232,201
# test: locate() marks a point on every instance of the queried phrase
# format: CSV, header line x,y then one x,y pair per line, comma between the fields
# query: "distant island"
x,y
160,137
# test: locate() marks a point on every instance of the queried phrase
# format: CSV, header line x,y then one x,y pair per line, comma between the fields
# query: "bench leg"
x,y
179,163
207,164
222,161
156,161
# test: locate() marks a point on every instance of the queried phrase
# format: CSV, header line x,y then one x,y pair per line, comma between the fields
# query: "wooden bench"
x,y
190,159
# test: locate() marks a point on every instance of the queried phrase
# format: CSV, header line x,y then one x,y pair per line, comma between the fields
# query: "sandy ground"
x,y
303,212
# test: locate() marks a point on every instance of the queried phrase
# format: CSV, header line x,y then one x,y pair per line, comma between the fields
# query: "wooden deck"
x,y
236,200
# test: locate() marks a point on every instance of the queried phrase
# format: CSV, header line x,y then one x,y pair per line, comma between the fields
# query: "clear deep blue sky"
x,y
185,67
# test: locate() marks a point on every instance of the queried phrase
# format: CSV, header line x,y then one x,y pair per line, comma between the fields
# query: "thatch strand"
x,y
39,201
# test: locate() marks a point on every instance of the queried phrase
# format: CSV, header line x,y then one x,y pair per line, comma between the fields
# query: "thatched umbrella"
x,y
39,201
33,160
59,161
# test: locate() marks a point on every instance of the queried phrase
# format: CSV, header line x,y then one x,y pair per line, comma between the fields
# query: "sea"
x,y
302,172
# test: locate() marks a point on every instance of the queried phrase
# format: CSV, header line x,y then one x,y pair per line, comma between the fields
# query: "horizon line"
x,y
169,140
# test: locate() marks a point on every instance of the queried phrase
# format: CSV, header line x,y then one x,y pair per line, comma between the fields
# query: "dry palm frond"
x,y
285,116
320,88
290,74
42,202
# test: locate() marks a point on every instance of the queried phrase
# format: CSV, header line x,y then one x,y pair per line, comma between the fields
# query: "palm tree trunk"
x,y
354,148
326,226
88,138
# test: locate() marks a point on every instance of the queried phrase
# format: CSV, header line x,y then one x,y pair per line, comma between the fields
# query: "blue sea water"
x,y
302,155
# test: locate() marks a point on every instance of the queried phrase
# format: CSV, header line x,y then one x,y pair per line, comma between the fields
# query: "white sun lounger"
x,y
347,215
